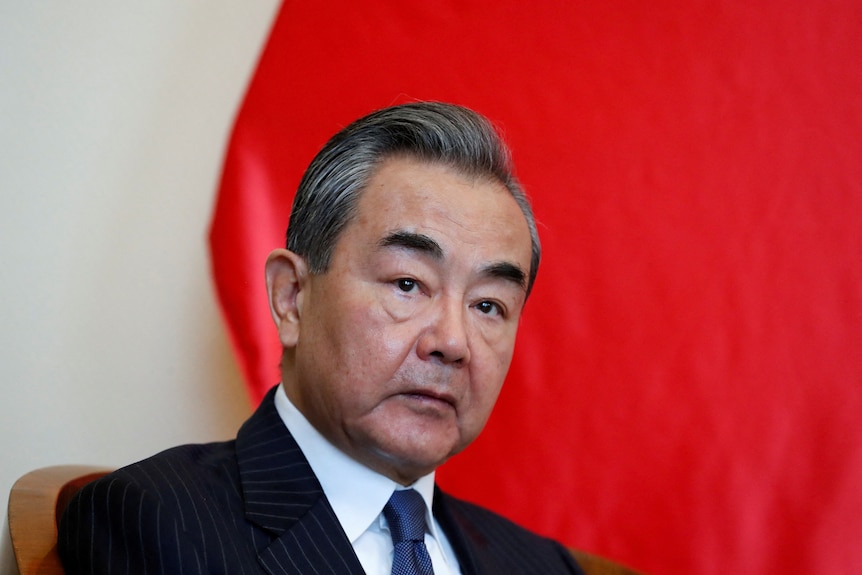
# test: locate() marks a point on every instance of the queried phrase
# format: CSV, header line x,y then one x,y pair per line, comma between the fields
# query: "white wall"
x,y
113,120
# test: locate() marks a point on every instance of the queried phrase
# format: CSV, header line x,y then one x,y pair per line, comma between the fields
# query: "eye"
x,y
488,307
406,284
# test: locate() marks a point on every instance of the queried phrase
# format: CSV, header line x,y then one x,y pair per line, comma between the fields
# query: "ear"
x,y
286,277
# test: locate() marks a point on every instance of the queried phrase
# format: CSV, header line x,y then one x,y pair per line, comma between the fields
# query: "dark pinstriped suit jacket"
x,y
253,505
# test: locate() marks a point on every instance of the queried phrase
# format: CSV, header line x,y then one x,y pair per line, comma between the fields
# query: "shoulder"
x,y
175,481
498,543
186,467
167,506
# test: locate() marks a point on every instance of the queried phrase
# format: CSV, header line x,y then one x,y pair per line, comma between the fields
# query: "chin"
x,y
410,464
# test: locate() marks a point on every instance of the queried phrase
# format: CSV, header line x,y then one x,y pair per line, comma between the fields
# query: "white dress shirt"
x,y
357,495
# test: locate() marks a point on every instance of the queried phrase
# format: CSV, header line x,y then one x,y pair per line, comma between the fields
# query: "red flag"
x,y
687,387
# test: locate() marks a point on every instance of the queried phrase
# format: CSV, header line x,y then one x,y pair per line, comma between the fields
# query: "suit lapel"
x,y
465,542
283,497
315,544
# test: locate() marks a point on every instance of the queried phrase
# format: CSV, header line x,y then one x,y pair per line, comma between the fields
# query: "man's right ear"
x,y
286,277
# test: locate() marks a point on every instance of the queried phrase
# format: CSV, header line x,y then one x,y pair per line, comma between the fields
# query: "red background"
x,y
686,395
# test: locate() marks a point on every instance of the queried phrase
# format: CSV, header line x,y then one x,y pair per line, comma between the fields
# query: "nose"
x,y
445,337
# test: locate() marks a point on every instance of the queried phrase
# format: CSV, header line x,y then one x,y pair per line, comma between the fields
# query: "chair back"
x,y
36,502
595,565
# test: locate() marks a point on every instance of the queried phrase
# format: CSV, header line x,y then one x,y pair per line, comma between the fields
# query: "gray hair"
x,y
433,132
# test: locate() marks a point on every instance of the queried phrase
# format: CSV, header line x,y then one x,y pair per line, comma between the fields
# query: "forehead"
x,y
477,216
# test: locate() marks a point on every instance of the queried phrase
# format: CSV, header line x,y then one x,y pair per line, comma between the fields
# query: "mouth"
x,y
430,398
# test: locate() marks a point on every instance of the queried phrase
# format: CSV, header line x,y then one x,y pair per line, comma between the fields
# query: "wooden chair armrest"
x,y
36,503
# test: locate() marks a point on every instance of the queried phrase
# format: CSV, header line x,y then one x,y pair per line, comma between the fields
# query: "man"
x,y
411,250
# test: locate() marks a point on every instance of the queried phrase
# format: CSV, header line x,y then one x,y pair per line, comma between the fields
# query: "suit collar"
x,y
463,540
283,497
277,482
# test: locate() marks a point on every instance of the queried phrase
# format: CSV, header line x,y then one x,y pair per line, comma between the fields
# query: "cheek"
x,y
489,367
369,346
497,347
489,375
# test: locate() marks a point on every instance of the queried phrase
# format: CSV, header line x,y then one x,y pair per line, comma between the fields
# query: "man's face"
x,y
403,344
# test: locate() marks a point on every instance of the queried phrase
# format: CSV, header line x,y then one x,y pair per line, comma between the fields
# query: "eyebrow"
x,y
424,244
507,271
413,241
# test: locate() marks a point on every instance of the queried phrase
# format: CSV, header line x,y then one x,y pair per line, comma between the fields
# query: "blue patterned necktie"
x,y
405,512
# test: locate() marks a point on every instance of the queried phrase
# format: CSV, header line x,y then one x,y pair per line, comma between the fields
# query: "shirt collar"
x,y
357,494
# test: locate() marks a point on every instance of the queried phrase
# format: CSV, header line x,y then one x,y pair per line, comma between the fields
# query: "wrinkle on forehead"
x,y
410,204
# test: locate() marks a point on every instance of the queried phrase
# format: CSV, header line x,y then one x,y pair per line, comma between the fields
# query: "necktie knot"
x,y
405,512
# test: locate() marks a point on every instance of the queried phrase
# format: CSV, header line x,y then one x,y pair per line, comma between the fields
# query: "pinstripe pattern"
x,y
253,505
